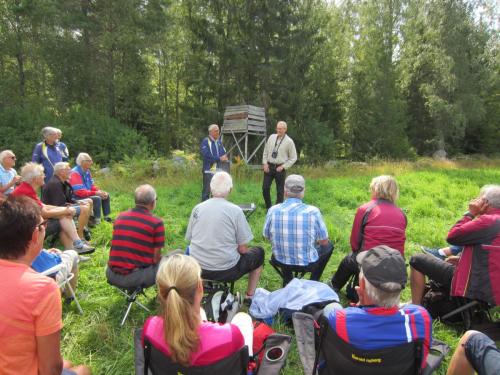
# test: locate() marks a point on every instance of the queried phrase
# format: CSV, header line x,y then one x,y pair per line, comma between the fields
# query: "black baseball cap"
x,y
382,265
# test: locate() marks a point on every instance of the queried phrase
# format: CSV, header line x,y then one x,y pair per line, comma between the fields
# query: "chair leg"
x,y
73,294
126,313
460,309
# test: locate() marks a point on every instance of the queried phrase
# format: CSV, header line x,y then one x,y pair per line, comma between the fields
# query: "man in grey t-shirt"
x,y
218,233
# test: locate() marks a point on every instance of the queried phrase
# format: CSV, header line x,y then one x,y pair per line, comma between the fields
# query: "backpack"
x,y
438,303
219,303
270,350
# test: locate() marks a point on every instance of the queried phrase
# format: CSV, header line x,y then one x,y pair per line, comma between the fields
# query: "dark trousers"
x,y
316,268
347,267
268,180
205,192
98,203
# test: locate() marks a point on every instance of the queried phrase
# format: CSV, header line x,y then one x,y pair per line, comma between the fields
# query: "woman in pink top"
x,y
179,333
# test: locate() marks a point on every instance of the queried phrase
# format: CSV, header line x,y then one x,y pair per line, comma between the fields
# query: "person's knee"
x,y
417,260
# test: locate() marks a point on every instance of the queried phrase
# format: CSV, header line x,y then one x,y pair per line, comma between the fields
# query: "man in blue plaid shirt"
x,y
297,232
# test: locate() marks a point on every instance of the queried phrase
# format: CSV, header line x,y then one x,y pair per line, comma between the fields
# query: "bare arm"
x,y
243,249
323,242
54,212
50,361
157,255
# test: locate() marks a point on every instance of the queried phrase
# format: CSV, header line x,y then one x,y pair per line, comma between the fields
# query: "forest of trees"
x,y
354,79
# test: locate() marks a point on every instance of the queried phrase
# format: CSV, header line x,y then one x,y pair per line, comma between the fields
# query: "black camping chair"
x,y
336,357
288,272
157,363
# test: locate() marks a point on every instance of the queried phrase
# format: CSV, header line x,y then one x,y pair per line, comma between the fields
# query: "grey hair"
x,y
385,187
30,171
4,154
221,184
81,156
282,123
48,130
58,131
144,195
212,127
58,167
380,297
492,194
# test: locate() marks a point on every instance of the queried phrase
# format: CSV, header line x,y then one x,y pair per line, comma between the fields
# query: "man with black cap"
x,y
297,231
378,322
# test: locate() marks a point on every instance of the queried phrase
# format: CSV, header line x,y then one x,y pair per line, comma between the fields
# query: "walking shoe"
x,y
108,219
82,248
86,234
433,252
83,259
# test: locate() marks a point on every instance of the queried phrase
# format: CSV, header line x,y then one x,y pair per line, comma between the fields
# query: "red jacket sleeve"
x,y
79,189
468,231
356,229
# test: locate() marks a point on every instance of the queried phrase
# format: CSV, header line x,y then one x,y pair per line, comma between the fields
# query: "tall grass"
x,y
433,196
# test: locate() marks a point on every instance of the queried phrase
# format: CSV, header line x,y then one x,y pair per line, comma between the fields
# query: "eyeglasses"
x,y
43,225
12,157
90,160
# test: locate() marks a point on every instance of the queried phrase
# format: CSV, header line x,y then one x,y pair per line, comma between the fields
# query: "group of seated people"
x,y
219,236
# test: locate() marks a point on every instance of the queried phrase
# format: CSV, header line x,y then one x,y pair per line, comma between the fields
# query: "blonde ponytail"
x,y
177,279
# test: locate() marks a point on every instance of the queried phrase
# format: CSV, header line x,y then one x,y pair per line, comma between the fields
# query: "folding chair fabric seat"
x,y
158,364
341,358
288,272
64,283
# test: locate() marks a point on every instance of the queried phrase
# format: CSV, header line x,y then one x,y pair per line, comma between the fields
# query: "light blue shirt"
x,y
6,176
293,228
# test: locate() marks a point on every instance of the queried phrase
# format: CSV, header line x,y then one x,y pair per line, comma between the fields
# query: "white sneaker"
x,y
83,259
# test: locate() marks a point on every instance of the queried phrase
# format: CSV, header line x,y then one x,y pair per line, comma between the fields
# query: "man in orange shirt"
x,y
30,304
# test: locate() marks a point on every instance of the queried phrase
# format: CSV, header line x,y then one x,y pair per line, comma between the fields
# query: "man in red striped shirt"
x,y
138,237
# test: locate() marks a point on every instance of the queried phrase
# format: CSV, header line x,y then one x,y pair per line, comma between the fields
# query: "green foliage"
x,y
353,79
432,195
84,131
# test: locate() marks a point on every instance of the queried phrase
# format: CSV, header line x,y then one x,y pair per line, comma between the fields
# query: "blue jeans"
x,y
98,203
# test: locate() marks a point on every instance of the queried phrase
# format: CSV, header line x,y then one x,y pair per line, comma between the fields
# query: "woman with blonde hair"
x,y
378,222
179,332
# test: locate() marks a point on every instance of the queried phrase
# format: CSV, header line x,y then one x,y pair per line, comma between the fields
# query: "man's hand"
x,y
55,251
71,211
16,179
478,206
265,167
453,259
279,169
103,194
224,158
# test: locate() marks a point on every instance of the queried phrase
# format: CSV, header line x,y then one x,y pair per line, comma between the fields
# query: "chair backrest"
x,y
340,357
158,363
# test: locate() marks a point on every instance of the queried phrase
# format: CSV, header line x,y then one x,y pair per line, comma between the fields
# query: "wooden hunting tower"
x,y
245,128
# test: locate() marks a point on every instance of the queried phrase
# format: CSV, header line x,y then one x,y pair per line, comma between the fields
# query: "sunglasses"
x,y
43,224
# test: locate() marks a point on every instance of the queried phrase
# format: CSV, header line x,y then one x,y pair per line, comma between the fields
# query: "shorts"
x,y
247,263
483,355
435,269
69,261
77,208
53,227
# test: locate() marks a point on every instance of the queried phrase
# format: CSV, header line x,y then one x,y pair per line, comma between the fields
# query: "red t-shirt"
x,y
26,189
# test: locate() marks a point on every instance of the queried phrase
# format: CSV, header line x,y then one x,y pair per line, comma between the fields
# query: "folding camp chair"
x,y
337,357
151,361
65,283
288,272
131,294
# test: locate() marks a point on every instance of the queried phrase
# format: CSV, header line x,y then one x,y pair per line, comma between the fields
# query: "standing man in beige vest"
x,y
279,155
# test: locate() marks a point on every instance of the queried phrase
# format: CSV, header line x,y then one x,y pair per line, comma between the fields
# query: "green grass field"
x,y
433,196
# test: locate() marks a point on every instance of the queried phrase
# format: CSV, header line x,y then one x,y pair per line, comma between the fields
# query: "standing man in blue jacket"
x,y
213,153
